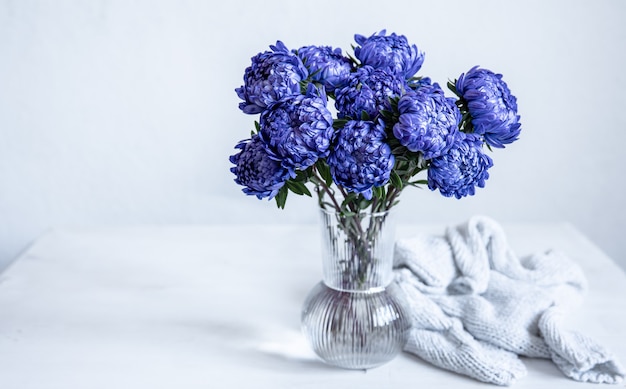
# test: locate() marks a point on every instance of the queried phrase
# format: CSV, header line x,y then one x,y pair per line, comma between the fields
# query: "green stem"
x,y
326,189
345,195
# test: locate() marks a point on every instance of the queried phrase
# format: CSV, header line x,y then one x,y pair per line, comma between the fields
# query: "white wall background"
x,y
118,112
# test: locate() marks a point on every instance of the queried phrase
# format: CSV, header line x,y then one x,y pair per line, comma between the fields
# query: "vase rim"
x,y
362,212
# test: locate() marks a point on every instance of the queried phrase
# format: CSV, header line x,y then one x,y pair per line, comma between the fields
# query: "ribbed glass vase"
x,y
352,318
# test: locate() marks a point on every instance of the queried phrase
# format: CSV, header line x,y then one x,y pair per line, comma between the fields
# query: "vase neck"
x,y
357,250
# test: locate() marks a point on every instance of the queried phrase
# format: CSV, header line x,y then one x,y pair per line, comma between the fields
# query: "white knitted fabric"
x,y
475,306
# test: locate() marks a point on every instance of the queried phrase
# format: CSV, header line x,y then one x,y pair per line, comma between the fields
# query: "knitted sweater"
x,y
475,307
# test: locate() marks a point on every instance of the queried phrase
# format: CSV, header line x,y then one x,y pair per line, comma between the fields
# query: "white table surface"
x,y
219,307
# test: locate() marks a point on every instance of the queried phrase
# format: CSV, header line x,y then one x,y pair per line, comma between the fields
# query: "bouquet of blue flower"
x,y
388,126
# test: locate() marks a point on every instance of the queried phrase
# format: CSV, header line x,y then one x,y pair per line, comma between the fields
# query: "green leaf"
x,y
281,197
379,192
418,183
298,188
303,175
452,87
399,150
364,203
327,205
395,179
354,61
339,123
386,114
303,86
393,102
349,201
324,170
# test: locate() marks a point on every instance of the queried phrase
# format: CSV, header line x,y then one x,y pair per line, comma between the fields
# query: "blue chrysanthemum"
x,y
389,52
428,121
457,172
361,159
326,65
368,90
491,105
260,172
273,75
298,129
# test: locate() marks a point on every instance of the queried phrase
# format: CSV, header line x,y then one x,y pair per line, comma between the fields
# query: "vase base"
x,y
350,362
354,330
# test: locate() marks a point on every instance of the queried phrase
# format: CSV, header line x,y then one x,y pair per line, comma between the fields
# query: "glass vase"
x,y
352,318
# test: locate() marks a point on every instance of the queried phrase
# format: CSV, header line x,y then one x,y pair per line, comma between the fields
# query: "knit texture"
x,y
475,307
